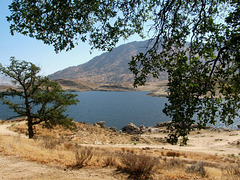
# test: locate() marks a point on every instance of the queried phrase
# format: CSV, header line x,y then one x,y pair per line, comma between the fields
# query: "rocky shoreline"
x,y
133,129
158,128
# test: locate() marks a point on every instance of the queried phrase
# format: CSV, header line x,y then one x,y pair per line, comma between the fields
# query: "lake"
x,y
117,109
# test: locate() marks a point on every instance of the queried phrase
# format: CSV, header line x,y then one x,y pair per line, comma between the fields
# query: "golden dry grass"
x,y
58,147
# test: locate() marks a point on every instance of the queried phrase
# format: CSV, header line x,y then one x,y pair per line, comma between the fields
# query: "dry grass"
x,y
59,147
173,154
197,168
82,155
85,134
137,166
110,161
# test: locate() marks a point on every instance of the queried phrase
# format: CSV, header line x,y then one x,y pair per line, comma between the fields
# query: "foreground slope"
x,y
53,154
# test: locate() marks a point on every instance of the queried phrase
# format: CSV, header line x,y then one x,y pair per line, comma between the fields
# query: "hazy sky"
x,y
29,49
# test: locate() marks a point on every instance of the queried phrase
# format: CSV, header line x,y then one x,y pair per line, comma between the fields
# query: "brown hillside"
x,y
108,68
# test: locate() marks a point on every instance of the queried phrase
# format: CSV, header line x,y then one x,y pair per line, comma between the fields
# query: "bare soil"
x,y
219,142
12,167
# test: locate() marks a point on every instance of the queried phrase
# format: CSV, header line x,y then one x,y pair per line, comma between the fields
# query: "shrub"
x,y
197,168
137,166
173,154
82,155
110,161
172,163
50,143
233,170
68,146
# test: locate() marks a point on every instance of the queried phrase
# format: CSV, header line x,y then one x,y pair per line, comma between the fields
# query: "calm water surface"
x,y
117,109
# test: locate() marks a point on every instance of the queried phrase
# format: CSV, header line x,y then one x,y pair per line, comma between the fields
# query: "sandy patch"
x,y
12,167
4,129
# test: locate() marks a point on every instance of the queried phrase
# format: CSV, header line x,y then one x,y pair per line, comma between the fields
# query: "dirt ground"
x,y
12,167
205,141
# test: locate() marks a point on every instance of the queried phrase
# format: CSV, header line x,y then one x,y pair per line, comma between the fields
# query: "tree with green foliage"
x,y
40,100
197,42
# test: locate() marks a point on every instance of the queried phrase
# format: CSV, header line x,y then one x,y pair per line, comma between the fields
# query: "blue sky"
x,y
29,49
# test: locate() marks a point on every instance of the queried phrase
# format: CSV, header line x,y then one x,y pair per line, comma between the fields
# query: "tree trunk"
x,y
30,128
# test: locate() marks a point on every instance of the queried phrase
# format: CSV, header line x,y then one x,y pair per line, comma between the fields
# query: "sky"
x,y
29,49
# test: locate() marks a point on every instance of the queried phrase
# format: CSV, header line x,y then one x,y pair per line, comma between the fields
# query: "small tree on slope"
x,y
42,100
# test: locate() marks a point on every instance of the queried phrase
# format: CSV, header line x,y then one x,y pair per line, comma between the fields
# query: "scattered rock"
x,y
160,139
113,129
235,143
131,129
100,123
135,138
220,129
163,124
142,127
155,130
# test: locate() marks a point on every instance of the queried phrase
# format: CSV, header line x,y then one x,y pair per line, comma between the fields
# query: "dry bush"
x,y
110,161
82,155
213,173
137,166
197,168
51,143
173,154
233,171
68,146
172,164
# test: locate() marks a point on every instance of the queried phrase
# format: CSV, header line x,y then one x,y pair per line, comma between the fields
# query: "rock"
x,y
207,127
131,129
155,130
100,123
160,139
113,129
135,138
163,124
143,129
238,126
195,126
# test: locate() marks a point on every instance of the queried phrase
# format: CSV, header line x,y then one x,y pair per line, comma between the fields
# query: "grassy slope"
x,y
59,147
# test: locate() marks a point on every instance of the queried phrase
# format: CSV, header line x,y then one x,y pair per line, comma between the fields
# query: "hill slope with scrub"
x,y
95,152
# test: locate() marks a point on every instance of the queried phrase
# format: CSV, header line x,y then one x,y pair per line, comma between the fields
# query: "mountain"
x,y
110,67
4,80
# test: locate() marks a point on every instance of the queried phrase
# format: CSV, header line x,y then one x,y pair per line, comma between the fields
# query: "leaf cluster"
x,y
63,23
197,44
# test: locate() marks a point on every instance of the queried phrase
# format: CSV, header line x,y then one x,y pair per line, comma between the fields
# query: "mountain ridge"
x,y
109,67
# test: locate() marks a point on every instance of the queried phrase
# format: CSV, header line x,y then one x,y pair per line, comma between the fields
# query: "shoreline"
x,y
160,125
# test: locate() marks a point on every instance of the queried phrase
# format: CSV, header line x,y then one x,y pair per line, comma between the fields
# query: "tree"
x,y
42,100
197,42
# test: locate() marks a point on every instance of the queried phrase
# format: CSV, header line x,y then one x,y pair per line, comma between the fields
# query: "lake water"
x,y
117,109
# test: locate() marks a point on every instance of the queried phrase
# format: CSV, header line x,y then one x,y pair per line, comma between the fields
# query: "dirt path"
x,y
210,142
4,130
12,167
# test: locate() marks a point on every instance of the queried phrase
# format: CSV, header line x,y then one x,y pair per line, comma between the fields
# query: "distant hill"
x,y
5,80
110,67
